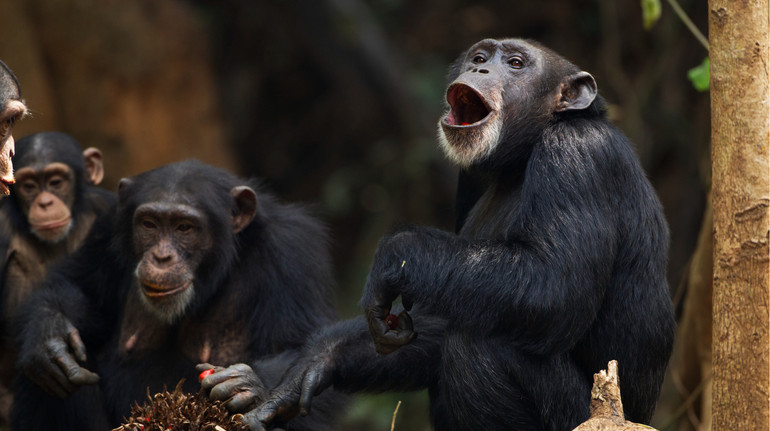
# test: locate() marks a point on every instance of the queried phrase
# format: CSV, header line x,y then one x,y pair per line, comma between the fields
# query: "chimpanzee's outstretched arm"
x,y
343,356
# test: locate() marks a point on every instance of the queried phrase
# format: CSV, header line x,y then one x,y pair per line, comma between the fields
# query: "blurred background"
x,y
335,103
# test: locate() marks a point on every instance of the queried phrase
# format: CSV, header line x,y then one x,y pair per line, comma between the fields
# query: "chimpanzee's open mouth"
x,y
468,108
157,291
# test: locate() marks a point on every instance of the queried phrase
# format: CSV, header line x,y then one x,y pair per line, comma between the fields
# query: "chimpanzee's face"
x,y
171,239
506,91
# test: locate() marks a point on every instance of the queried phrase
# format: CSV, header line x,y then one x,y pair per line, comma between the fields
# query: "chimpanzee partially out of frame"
x,y
53,204
194,265
559,265
12,109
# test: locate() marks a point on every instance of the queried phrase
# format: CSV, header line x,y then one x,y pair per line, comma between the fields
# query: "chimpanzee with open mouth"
x,y
558,265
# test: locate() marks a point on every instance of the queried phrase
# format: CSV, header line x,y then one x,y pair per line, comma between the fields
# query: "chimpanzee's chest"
x,y
146,354
493,214
216,336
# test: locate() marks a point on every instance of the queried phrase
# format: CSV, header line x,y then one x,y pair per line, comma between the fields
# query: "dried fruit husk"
x,y
179,411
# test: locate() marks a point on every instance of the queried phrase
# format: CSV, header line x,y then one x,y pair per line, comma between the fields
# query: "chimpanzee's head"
x,y
52,172
502,94
12,108
181,221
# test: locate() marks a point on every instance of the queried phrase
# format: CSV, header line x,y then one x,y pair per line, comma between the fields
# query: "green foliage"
x,y
699,75
651,11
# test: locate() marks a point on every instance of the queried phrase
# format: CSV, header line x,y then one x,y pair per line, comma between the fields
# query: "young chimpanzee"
x,y
559,265
12,108
52,206
195,265
54,202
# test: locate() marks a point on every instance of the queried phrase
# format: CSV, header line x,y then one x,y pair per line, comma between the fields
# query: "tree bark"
x,y
740,133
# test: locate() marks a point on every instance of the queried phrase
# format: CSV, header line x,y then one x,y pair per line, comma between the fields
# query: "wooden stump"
x,y
606,406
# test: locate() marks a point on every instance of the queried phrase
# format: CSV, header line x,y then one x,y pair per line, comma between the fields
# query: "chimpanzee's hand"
x,y
307,378
238,386
387,280
389,332
50,358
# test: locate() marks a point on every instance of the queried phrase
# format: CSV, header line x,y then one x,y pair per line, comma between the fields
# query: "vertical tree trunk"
x,y
740,134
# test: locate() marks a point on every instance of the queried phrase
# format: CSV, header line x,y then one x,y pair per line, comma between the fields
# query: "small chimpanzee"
x,y
53,204
191,267
12,109
559,265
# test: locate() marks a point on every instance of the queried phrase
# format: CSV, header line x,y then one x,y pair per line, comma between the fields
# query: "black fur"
x,y
270,283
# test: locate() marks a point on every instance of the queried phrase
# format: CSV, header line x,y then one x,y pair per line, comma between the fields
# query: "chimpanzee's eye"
x,y
478,59
516,62
56,182
29,187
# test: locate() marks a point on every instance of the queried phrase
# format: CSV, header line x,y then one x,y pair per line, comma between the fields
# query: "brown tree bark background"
x,y
134,79
740,133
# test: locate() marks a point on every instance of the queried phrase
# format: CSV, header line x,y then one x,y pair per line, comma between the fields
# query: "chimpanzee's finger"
x,y
253,422
76,343
220,376
242,401
226,389
74,372
405,321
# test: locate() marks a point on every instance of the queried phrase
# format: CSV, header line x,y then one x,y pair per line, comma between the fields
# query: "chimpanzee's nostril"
x,y
483,71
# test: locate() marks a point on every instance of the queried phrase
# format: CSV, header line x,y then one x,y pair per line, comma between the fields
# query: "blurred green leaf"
x,y
699,75
650,13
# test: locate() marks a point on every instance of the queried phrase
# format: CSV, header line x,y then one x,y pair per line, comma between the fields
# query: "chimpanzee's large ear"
x,y
577,92
246,203
94,165
123,186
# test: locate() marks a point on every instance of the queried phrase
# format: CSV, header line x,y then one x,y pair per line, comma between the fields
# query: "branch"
x,y
688,22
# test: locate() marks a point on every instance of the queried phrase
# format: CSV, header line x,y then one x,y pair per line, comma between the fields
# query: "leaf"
x,y
650,13
700,75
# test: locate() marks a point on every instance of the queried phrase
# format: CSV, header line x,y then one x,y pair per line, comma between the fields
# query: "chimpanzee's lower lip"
x,y
155,291
5,185
53,225
446,122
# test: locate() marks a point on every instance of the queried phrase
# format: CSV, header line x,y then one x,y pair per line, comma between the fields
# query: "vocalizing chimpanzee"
x,y
52,206
559,265
12,109
195,265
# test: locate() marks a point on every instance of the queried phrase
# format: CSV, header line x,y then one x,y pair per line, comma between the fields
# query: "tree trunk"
x,y
740,133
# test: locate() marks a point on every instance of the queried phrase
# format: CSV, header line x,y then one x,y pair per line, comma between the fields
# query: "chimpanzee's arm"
x,y
543,280
70,315
343,356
